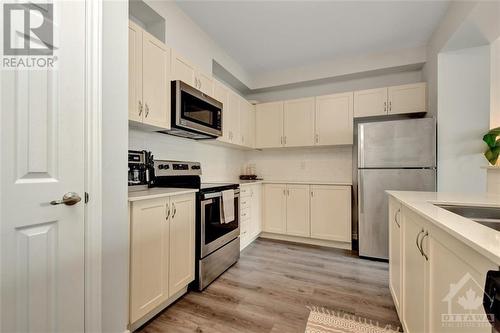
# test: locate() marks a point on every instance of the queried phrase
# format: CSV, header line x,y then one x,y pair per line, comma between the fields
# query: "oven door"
x,y
196,111
215,234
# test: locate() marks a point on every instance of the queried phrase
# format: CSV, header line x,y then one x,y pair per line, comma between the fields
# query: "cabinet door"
x,y
395,251
331,212
182,69
298,122
408,98
334,119
234,118
256,207
269,125
372,102
456,276
274,208
156,82
182,246
297,210
221,94
148,256
414,276
205,83
247,123
134,72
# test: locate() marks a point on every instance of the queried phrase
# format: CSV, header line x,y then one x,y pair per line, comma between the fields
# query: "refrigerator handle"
x,y
361,146
361,202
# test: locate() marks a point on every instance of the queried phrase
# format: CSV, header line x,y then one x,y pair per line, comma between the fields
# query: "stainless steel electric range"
x,y
217,240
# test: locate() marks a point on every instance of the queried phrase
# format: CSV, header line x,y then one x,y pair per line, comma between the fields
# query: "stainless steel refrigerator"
x,y
391,155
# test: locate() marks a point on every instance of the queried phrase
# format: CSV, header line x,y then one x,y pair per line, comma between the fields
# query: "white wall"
x,y
304,164
186,37
463,118
218,163
495,84
115,229
337,86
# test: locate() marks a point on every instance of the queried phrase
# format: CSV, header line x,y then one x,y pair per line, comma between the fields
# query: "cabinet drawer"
x,y
245,203
245,191
245,214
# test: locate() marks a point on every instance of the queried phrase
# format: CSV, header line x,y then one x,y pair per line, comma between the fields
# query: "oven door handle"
x,y
218,195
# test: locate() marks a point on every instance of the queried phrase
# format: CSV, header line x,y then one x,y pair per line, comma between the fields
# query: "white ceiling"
x,y
264,36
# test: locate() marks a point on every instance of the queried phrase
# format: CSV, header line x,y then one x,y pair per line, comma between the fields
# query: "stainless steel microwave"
x,y
195,115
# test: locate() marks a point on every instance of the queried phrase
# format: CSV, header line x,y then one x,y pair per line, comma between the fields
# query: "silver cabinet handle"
x,y
168,212
175,210
312,194
396,217
140,108
284,191
316,138
390,105
147,110
385,106
281,138
284,139
69,199
421,248
416,241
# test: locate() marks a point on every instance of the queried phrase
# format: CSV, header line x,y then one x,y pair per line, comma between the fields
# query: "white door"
x,y
221,94
149,255
297,210
395,251
274,208
414,277
135,107
182,69
331,212
408,98
156,82
182,247
42,148
269,125
299,122
334,119
371,102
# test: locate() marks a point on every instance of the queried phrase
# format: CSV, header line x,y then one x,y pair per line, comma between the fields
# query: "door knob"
x,y
69,199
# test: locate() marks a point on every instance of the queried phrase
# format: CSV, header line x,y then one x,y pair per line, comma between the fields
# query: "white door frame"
x,y
93,165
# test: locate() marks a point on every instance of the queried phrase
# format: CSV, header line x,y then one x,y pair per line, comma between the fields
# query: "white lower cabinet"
x,y
297,211
442,279
162,249
250,213
316,212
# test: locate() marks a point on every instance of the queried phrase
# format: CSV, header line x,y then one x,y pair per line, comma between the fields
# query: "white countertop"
x,y
158,192
479,237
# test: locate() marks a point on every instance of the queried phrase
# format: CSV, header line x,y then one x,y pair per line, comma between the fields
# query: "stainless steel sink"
x,y
487,216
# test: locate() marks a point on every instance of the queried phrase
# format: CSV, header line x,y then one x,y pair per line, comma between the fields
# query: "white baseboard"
x,y
310,241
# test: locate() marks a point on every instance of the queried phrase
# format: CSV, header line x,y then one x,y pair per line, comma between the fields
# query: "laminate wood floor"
x,y
272,284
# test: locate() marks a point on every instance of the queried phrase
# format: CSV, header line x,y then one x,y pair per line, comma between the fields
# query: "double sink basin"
x,y
487,216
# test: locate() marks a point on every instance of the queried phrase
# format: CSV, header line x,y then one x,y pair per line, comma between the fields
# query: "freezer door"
x,y
409,143
373,204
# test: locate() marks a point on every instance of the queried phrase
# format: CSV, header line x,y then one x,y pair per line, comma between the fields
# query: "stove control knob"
x,y
160,166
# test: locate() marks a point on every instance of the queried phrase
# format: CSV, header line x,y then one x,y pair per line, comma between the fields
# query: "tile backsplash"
x,y
220,163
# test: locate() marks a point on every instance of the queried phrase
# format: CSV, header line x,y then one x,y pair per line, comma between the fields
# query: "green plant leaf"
x,y
491,137
492,154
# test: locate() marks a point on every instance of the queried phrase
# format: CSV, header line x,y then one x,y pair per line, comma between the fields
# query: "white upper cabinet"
x,y
408,98
334,119
247,123
298,122
221,93
149,80
205,83
156,83
269,125
233,115
182,69
371,102
134,72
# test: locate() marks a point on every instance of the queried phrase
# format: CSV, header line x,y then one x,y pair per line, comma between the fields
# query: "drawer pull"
x,y
421,247
416,241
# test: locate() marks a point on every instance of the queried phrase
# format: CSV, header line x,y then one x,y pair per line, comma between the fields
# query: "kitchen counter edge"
x,y
157,192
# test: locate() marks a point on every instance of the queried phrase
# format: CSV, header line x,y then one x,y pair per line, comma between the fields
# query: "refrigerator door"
x,y
397,144
373,204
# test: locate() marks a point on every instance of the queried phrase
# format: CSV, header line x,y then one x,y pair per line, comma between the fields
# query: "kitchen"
x,y
266,189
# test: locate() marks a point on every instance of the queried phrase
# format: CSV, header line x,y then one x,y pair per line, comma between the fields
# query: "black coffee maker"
x,y
140,170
